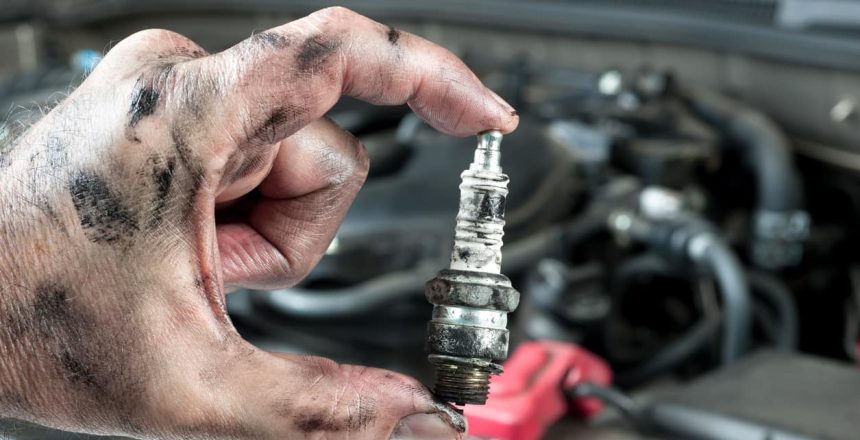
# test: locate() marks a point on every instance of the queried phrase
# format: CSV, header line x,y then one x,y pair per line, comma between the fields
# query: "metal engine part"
x,y
468,336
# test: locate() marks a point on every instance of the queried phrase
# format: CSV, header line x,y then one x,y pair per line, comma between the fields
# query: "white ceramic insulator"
x,y
480,220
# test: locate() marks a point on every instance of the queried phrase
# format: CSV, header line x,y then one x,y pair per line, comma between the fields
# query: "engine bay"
x,y
682,207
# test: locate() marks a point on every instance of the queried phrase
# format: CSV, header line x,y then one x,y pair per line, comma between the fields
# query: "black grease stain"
x,y
360,415
452,415
187,52
161,172
312,423
273,129
362,418
50,308
318,422
187,158
163,180
393,35
491,206
315,51
147,94
271,40
103,215
194,175
91,354
218,427
78,372
53,319
14,404
197,92
464,254
144,100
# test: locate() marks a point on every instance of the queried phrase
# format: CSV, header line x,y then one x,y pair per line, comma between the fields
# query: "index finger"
x,y
279,80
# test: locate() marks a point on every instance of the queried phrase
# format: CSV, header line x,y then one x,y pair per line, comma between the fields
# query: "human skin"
x,y
171,176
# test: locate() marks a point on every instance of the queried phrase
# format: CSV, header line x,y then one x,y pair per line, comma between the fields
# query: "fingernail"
x,y
424,427
507,107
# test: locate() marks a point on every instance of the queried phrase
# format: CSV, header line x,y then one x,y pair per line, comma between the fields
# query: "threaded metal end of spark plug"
x,y
462,385
463,381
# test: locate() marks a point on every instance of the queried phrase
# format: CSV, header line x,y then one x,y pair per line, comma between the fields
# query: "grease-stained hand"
x,y
171,176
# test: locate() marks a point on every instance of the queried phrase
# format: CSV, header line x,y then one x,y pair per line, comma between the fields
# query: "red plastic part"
x,y
528,397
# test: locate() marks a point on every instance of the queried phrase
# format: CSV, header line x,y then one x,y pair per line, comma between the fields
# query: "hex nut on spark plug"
x,y
467,336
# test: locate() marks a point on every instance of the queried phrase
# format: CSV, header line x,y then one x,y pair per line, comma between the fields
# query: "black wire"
x,y
724,266
775,292
672,354
626,406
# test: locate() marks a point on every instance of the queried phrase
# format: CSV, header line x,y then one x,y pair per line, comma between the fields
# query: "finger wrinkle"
x,y
275,127
251,163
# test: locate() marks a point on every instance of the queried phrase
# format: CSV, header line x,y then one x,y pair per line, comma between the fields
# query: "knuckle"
x,y
157,42
334,14
149,38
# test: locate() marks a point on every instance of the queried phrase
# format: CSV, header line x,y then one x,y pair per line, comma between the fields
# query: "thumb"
x,y
292,396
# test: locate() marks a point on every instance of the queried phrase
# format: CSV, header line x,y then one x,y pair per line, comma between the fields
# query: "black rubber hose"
x,y
610,396
720,261
355,300
381,291
777,294
694,239
673,354
764,148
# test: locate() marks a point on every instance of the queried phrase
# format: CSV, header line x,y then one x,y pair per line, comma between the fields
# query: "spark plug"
x,y
467,336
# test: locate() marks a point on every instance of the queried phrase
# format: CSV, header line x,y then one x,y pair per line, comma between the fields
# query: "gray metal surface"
x,y
802,394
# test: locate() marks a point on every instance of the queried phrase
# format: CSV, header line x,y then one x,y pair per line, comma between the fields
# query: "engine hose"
x,y
765,148
777,294
626,406
712,253
675,352
355,300
672,354
370,296
692,239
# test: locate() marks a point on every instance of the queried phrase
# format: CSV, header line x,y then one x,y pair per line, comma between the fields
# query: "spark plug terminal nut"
x,y
467,337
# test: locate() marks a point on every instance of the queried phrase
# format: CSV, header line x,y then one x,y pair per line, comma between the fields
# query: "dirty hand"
x,y
171,175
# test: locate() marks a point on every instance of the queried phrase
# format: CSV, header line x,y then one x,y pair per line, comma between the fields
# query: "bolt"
x,y
467,336
610,83
843,110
